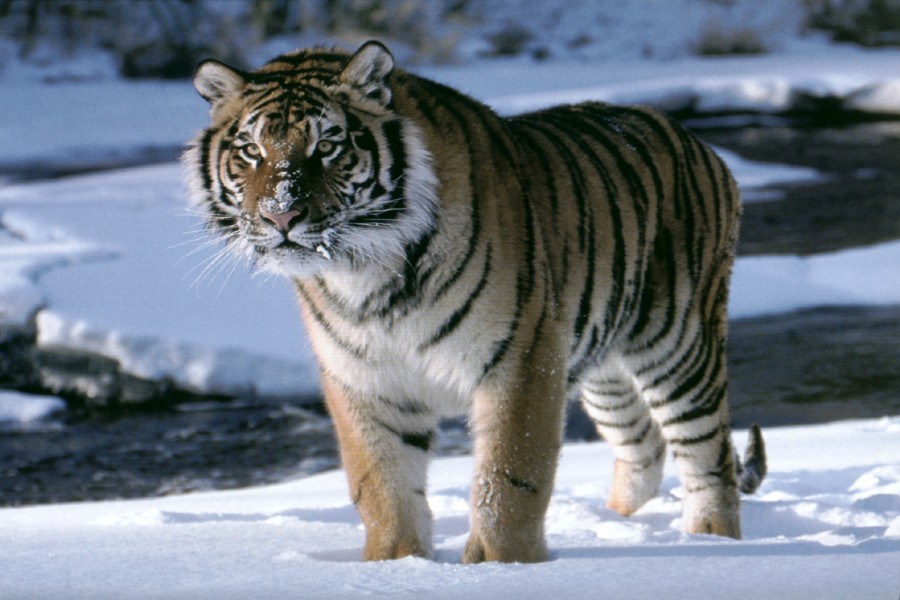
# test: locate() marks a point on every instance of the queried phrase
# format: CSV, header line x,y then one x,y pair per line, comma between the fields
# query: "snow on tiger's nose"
x,y
279,208
282,198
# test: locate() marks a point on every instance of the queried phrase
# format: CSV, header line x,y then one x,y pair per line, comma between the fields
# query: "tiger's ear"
x,y
217,81
368,70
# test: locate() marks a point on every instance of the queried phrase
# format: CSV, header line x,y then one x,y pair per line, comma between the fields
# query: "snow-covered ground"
x,y
824,525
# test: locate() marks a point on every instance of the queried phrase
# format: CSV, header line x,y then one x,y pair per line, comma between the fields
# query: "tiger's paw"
x,y
634,484
478,550
714,511
379,549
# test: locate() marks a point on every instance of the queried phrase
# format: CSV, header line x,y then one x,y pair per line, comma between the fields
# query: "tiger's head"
x,y
306,166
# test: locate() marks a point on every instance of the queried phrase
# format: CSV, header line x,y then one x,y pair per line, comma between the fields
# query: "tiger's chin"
x,y
293,260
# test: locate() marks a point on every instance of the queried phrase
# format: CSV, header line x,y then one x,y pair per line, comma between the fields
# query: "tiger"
x,y
451,261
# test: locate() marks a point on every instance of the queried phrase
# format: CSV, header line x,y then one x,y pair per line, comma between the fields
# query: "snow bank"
x,y
138,286
773,284
825,524
754,178
860,80
94,121
23,410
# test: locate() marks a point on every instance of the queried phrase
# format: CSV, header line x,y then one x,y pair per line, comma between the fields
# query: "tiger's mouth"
x,y
288,250
284,245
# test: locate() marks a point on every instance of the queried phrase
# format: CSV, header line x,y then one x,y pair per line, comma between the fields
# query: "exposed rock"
x,y
17,360
96,380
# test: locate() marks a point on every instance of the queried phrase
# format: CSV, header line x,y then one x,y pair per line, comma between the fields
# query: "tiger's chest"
x,y
414,352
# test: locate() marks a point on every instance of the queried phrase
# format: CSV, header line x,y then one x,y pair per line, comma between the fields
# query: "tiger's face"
x,y
308,189
302,171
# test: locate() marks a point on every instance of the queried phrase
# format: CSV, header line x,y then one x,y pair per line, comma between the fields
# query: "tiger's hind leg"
x,y
686,391
611,400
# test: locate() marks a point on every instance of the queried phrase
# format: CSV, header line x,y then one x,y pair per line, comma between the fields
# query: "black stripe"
x,y
526,138
396,152
630,399
205,145
695,361
463,124
422,441
393,134
415,439
498,353
325,324
611,132
618,263
521,484
704,410
662,275
550,232
584,303
697,439
602,126
461,312
692,354
398,296
569,162
640,437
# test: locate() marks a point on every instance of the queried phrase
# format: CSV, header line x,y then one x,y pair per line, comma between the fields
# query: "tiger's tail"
x,y
752,470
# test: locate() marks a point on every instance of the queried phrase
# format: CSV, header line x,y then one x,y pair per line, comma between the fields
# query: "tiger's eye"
x,y
324,146
251,152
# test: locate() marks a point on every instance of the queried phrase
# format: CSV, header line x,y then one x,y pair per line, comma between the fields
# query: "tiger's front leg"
x,y
386,464
517,441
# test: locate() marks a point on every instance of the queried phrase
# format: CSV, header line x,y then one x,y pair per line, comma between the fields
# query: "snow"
x,y
865,80
772,284
168,319
136,115
825,524
27,410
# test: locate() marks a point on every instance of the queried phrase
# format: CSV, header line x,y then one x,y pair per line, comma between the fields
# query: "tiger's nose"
x,y
284,221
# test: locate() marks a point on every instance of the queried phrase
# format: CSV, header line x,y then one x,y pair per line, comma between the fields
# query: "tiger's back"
x,y
599,203
635,227
449,260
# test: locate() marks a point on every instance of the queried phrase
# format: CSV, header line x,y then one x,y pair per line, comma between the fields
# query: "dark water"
x,y
806,367
86,456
